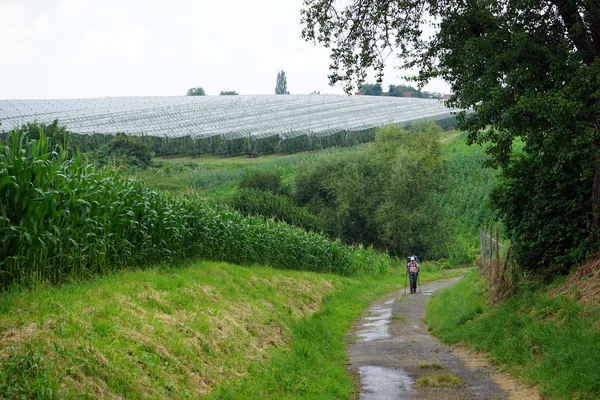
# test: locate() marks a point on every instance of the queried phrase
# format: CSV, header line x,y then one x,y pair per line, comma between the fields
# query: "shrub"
x,y
281,208
125,150
263,179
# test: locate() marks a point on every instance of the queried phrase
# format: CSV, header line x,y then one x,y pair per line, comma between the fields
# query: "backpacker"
x,y
413,267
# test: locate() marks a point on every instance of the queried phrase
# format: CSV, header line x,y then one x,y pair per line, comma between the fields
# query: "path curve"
x,y
390,349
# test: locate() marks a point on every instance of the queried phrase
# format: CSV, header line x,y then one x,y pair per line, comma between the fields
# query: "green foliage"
x,y
281,208
545,211
401,90
370,89
383,195
196,91
545,339
263,179
56,135
62,218
124,150
24,375
228,93
519,81
466,201
281,86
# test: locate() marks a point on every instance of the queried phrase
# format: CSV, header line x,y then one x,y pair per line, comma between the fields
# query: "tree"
x,y
383,195
371,89
228,93
281,86
526,69
196,91
401,90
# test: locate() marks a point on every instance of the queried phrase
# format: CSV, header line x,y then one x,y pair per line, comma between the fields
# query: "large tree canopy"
x,y
528,69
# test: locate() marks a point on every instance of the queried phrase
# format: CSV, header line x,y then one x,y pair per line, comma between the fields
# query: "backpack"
x,y
413,267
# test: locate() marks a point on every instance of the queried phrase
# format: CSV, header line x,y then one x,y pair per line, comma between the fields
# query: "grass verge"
x,y
208,330
445,379
544,339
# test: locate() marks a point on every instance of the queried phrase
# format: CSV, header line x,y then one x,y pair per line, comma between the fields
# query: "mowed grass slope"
x,y
151,334
208,330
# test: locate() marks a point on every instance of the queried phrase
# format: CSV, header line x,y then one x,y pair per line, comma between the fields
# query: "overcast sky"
x,y
98,48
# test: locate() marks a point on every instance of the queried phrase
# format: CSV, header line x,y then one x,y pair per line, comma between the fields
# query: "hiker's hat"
x,y
412,259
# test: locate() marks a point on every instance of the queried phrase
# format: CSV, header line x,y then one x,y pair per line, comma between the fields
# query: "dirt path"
x,y
392,352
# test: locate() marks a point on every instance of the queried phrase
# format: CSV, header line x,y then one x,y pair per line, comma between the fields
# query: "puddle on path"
x,y
378,326
384,383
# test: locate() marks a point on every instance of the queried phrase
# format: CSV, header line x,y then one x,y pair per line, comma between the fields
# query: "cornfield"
x,y
62,218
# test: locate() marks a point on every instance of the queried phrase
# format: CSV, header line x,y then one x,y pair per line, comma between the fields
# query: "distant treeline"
x,y
375,89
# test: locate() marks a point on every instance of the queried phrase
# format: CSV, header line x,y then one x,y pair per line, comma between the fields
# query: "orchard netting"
x,y
231,117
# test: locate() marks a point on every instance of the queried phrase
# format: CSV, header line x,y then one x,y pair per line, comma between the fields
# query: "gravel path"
x,y
390,349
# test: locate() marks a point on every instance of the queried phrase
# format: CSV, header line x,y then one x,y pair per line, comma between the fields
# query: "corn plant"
x,y
62,218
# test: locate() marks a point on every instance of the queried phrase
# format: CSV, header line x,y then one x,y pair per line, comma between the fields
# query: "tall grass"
x,y
61,217
547,339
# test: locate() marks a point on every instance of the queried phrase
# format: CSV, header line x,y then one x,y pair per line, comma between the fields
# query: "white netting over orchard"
x,y
230,116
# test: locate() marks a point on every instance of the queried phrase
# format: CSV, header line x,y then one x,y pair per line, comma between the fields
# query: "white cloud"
x,y
83,48
69,8
125,45
132,44
17,30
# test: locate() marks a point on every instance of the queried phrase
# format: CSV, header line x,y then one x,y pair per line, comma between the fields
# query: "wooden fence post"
x,y
497,246
491,244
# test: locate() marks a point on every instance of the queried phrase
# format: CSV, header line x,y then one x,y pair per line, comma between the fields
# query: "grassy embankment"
x,y
212,330
543,336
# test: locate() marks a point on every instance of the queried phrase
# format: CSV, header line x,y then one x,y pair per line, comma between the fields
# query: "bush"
x,y
546,212
263,179
125,150
281,208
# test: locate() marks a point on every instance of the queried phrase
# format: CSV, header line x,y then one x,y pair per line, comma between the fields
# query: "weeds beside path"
x,y
543,336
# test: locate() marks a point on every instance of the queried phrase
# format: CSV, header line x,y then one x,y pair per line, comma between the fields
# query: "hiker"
x,y
413,268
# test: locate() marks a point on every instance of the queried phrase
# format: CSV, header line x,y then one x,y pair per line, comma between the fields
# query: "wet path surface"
x,y
391,349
